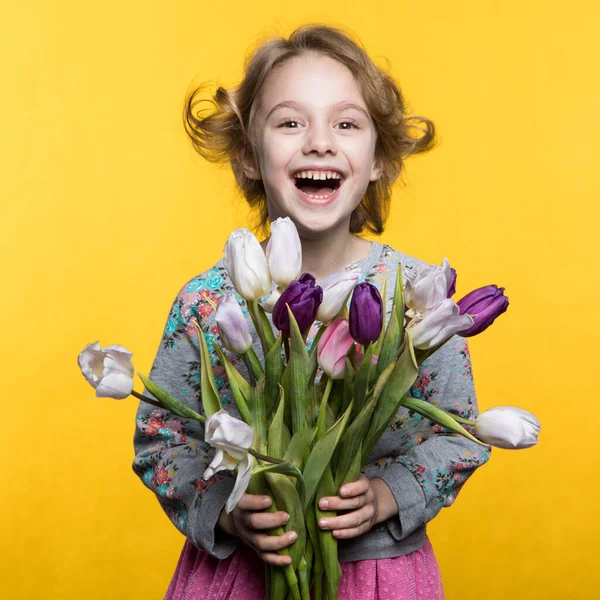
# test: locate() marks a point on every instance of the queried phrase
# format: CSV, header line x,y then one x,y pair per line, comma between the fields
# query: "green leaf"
x,y
286,468
278,436
390,346
290,500
361,380
348,385
329,546
208,387
260,415
299,447
298,364
240,388
400,381
273,372
438,416
399,296
321,455
312,354
170,402
257,368
353,470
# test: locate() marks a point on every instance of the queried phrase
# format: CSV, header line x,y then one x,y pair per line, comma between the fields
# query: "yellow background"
x,y
106,211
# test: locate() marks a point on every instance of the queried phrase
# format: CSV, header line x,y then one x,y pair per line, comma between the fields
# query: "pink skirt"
x,y
200,576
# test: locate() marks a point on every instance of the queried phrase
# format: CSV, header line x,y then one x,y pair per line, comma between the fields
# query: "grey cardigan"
x,y
424,465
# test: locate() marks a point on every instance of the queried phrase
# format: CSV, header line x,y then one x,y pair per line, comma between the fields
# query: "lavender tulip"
x,y
336,289
366,314
485,305
232,325
304,299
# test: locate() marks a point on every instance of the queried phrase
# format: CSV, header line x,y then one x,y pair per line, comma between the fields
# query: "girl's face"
x,y
316,144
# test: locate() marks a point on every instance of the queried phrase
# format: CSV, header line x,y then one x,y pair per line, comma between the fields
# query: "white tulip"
x,y
284,252
109,370
247,265
336,289
425,290
232,439
232,325
508,427
269,304
438,325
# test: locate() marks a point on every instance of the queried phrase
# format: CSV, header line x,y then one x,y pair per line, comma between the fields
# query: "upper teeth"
x,y
318,175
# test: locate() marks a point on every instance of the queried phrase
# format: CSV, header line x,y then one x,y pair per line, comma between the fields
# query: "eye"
x,y
291,124
348,124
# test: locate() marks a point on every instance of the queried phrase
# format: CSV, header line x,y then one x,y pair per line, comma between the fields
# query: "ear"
x,y
376,170
248,165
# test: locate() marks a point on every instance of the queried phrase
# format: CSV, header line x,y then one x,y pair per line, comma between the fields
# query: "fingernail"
x,y
324,523
324,503
267,502
343,492
293,536
286,518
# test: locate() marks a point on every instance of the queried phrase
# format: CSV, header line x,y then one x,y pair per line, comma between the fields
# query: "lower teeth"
x,y
317,197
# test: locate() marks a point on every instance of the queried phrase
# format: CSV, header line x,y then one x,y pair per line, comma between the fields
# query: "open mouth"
x,y
318,187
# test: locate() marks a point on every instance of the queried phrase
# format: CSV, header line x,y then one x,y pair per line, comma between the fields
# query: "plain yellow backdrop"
x,y
106,211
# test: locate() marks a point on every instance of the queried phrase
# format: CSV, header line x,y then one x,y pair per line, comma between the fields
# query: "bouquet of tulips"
x,y
312,413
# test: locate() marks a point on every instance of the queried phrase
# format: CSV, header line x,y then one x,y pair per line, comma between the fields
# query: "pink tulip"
x,y
333,347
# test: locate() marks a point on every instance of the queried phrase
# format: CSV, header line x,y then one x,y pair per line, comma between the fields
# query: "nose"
x,y
320,139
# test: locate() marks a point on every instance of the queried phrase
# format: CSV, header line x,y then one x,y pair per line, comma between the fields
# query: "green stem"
x,y
147,400
321,421
258,324
248,364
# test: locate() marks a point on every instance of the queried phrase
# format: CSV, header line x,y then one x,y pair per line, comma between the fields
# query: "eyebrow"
x,y
300,106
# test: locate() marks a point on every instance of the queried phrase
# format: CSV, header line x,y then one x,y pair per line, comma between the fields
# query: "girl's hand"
x,y
248,521
369,501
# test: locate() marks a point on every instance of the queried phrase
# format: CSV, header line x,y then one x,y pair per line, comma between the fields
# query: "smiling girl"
x,y
318,133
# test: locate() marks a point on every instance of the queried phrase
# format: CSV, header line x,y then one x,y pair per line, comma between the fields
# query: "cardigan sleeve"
x,y
434,464
170,453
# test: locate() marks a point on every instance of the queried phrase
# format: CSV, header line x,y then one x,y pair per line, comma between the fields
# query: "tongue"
x,y
316,191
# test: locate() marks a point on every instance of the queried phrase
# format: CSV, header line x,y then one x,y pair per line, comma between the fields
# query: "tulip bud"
x,y
366,314
336,289
247,265
508,427
437,325
232,325
333,347
109,370
284,252
304,299
232,439
485,305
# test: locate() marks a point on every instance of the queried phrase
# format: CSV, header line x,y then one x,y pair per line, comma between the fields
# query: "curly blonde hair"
x,y
224,133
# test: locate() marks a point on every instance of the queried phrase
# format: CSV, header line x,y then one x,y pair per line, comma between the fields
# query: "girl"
x,y
318,133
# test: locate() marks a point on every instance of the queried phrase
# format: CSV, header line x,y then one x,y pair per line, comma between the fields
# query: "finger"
x,y
266,520
254,502
344,534
360,486
278,560
348,521
337,503
272,543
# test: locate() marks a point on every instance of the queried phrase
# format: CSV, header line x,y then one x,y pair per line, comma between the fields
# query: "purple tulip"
x,y
484,304
304,299
452,283
366,314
